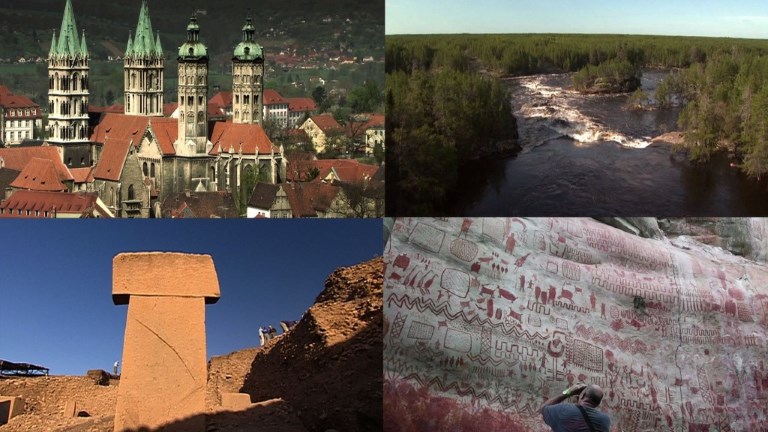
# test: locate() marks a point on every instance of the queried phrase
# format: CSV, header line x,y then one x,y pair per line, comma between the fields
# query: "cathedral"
x,y
140,157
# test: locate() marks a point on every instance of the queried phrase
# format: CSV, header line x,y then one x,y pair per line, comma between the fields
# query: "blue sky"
x,y
56,305
744,19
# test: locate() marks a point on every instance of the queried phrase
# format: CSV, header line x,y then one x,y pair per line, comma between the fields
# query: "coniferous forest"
x,y
445,104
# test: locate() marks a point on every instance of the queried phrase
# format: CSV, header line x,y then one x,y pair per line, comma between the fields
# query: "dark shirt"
x,y
566,417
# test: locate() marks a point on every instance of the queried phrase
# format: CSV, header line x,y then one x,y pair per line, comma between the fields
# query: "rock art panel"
x,y
164,357
673,330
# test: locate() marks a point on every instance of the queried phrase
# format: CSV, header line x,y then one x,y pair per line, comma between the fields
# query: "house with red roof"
x,y
58,205
275,108
299,109
19,117
322,130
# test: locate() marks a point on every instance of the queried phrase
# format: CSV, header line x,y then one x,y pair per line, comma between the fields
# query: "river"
x,y
587,155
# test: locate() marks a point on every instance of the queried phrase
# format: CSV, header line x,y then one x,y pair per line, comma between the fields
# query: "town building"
x,y
19,118
322,130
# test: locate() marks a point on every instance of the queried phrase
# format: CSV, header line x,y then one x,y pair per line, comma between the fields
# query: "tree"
x,y
378,152
318,94
366,98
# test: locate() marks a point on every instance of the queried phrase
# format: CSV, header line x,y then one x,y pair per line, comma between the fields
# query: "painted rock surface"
x,y
487,318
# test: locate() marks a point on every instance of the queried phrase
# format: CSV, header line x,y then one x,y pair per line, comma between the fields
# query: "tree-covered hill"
x,y
26,25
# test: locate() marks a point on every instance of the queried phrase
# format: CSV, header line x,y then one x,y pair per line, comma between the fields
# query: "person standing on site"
x,y
583,416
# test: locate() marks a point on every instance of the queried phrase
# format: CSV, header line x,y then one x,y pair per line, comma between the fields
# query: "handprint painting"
x,y
485,320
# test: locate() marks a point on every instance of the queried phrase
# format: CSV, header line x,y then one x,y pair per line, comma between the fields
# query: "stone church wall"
x,y
484,319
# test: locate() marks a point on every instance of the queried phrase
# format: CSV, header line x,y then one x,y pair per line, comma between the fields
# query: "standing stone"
x,y
163,381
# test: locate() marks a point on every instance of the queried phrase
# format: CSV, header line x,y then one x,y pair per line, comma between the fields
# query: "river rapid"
x,y
588,155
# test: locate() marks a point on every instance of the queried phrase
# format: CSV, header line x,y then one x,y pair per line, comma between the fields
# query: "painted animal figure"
x,y
566,294
402,261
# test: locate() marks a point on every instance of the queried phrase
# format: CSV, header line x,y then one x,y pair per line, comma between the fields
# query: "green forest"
x,y
716,79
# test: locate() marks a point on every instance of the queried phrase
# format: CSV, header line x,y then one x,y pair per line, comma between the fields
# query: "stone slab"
x,y
70,409
10,407
235,401
164,274
164,365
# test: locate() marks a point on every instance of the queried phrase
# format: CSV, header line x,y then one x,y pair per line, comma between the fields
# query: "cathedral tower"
x,y
193,95
68,92
144,69
248,79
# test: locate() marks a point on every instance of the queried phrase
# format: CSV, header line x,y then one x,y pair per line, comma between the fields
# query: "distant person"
x,y
272,332
583,416
262,337
114,367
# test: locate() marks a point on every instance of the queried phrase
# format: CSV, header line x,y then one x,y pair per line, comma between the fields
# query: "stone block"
x,y
164,363
235,401
10,407
159,274
70,409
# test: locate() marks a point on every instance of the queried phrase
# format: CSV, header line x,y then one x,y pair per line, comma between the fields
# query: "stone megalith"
x,y
163,381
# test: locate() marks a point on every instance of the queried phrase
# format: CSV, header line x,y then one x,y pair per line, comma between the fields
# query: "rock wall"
x,y
484,319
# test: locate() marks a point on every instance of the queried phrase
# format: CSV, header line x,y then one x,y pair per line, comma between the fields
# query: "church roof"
x,y
69,44
199,205
131,128
240,138
144,43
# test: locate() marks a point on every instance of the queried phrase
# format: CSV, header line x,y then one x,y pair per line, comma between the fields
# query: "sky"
x,y
56,306
721,18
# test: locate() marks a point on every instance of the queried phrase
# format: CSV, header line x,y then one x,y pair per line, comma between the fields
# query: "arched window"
x,y
133,80
213,174
131,193
75,81
152,170
190,123
200,124
56,80
145,169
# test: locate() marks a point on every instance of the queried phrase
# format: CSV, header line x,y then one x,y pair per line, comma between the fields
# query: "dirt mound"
x,y
46,397
329,367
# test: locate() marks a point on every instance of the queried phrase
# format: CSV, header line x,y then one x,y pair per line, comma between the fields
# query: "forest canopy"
x,y
442,100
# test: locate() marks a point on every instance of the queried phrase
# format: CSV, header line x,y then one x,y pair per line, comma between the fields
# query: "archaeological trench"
x,y
486,318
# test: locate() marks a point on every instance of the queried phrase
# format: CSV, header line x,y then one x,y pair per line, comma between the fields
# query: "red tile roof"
x,y
272,97
121,127
11,101
112,159
82,175
301,104
326,122
115,126
237,138
40,175
17,158
222,99
167,132
347,170
169,108
215,111
52,202
199,205
308,199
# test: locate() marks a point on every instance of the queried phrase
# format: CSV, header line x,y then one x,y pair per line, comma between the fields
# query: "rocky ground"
x,y
324,374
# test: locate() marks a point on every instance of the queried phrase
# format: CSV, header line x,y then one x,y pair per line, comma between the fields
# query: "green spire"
x,y
129,49
69,44
52,52
158,47
248,49
144,41
83,46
